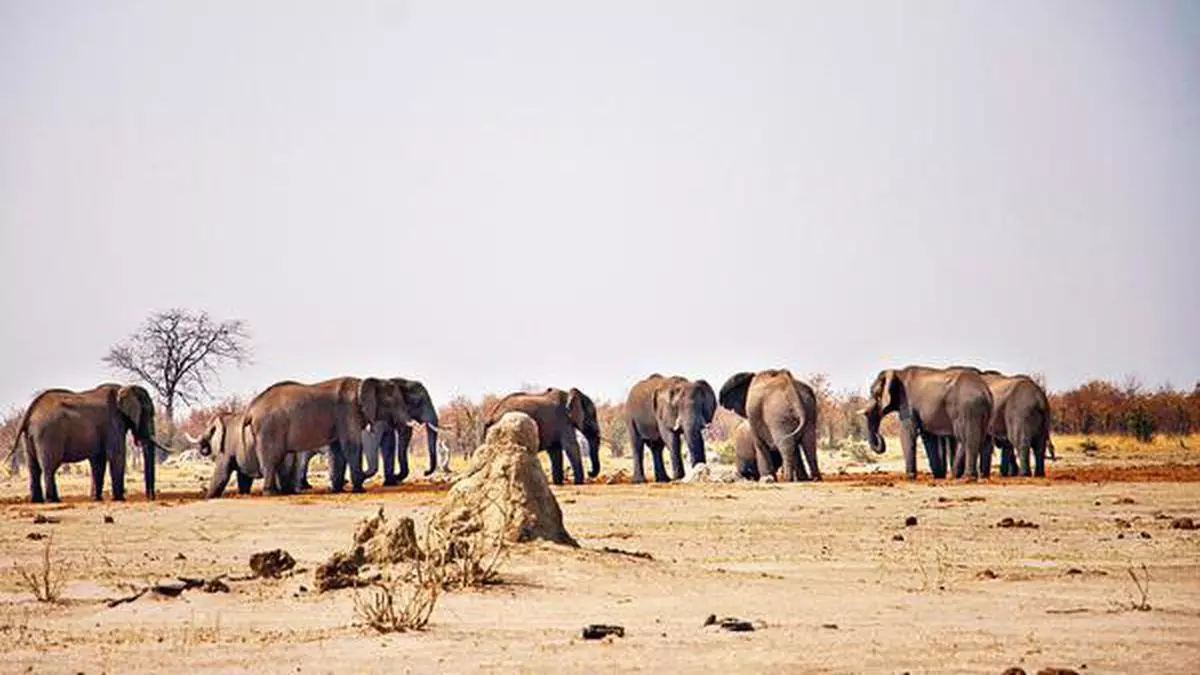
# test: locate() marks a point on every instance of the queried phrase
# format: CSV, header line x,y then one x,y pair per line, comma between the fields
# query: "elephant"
x,y
782,414
1020,422
745,457
953,402
663,410
291,417
62,425
223,441
393,440
558,415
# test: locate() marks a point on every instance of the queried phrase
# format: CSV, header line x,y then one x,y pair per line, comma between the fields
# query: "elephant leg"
x,y
98,465
674,442
908,446
1039,457
933,452
36,495
149,460
1021,447
966,462
556,464
387,448
220,478
789,448
116,471
337,467
1006,457
51,483
354,459
570,446
656,456
638,448
270,472
244,482
764,456
808,442
985,457
403,441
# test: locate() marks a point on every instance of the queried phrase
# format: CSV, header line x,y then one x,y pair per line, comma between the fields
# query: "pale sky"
x,y
482,194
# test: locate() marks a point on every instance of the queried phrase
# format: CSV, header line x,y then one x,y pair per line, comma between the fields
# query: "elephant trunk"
x,y
874,438
149,459
694,433
593,440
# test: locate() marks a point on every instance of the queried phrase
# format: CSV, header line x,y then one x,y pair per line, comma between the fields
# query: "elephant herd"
x,y
959,414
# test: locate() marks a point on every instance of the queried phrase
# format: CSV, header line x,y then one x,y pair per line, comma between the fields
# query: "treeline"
x,y
1097,407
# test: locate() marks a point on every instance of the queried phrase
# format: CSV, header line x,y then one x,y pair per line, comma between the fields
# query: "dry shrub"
x,y
47,581
404,599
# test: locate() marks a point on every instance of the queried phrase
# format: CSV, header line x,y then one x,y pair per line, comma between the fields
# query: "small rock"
x,y
272,563
215,586
1056,671
1009,522
36,536
170,587
43,519
1120,535
1125,500
1073,571
830,626
597,631
987,574
1015,670
303,589
108,520
897,537
1183,524
910,521
180,556
1123,524
1146,535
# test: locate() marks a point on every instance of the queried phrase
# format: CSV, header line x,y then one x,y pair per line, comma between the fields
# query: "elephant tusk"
x,y
191,440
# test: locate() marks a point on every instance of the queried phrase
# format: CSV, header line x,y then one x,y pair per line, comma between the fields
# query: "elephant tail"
x,y
22,431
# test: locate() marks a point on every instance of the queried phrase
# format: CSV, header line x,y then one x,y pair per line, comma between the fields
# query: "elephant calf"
x,y
781,412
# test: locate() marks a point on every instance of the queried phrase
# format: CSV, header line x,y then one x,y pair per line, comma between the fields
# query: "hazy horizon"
x,y
480,195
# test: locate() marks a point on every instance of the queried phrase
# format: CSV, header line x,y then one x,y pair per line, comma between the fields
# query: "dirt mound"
x,y
376,542
504,490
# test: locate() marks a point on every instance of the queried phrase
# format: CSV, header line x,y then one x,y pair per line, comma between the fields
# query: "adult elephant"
x,y
62,426
558,415
290,417
782,414
933,402
663,411
745,457
1020,422
393,440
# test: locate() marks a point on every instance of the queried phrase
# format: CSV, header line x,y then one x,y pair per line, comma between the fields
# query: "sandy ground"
x,y
829,573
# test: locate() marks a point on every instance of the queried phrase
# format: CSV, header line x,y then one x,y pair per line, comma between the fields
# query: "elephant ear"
x,y
130,406
733,392
368,398
891,392
708,400
576,407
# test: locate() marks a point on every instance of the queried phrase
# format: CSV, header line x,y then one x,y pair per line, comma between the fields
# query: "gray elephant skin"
x,y
663,411
222,440
393,440
782,414
62,426
291,417
558,415
955,403
745,457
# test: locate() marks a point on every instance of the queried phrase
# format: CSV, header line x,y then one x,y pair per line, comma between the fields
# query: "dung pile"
x,y
376,542
504,491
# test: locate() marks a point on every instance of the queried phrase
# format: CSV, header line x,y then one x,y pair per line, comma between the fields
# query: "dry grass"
x,y
47,580
1124,444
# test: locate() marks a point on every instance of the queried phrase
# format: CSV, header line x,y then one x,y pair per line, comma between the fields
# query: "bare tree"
x,y
177,354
